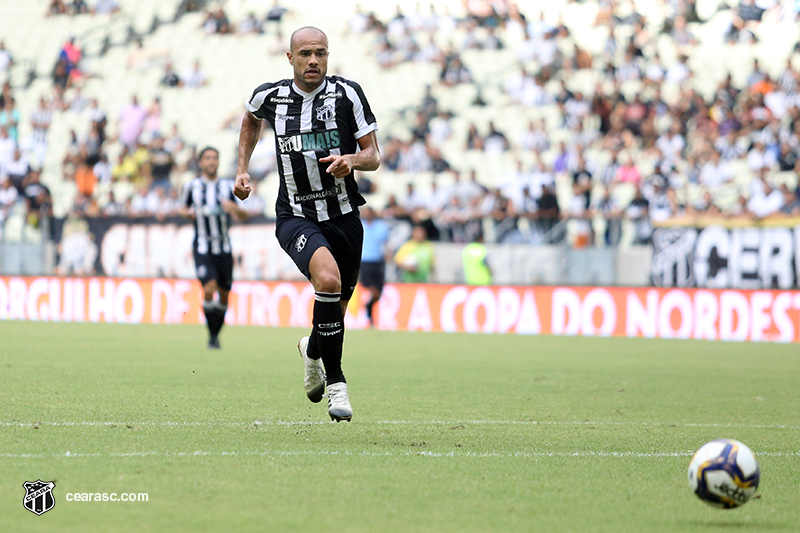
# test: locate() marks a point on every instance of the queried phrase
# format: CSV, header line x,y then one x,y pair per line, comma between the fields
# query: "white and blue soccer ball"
x,y
724,473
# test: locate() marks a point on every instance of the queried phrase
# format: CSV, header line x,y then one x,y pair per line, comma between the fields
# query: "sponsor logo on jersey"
x,y
281,100
300,243
325,113
285,117
303,142
337,94
318,195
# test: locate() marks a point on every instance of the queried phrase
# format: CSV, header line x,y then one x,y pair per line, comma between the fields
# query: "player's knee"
x,y
327,281
209,289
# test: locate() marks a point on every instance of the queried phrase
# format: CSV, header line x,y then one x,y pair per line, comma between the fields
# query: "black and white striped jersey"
x,y
308,127
211,223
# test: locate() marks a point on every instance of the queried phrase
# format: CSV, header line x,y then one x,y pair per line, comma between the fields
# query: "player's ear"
x,y
289,56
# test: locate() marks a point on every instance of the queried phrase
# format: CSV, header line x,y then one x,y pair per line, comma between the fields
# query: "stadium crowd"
x,y
676,155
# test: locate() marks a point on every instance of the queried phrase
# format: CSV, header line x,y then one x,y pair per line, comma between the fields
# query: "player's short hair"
x,y
206,149
298,30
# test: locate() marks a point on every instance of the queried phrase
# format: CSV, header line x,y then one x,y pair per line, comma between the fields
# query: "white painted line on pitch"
x,y
453,454
402,422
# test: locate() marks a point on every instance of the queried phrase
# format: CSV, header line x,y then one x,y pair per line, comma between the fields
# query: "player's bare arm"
x,y
368,158
248,137
186,212
234,210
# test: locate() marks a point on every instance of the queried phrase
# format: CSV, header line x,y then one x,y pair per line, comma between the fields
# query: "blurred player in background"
x,y
373,258
211,203
324,130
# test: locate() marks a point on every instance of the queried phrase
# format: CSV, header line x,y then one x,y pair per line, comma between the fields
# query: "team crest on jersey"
x,y
38,497
290,144
300,243
325,113
202,271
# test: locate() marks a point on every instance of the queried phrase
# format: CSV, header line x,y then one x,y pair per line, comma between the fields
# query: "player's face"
x,y
209,163
309,58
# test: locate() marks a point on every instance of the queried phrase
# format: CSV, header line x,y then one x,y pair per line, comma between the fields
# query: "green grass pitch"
x,y
450,432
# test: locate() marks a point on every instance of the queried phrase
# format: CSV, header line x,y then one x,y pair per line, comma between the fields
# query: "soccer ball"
x,y
724,473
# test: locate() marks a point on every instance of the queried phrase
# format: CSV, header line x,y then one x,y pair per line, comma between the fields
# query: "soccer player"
x,y
324,130
210,201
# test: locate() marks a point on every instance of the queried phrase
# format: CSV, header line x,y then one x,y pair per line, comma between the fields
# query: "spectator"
x,y
474,138
608,207
112,208
629,173
765,201
749,11
548,214
6,59
535,138
455,73
106,7
131,122
678,72
60,75
495,142
78,7
8,198
275,18
791,202
415,258
16,169
160,164
102,169
638,212
56,7
249,25
581,215
760,157
715,173
9,117
194,77
216,22
37,196
705,206
72,53
85,180
170,78
787,160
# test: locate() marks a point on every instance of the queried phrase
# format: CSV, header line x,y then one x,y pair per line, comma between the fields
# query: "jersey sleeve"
x,y
229,192
255,104
186,195
365,122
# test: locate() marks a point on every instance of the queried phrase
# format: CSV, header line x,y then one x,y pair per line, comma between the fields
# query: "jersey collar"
x,y
313,93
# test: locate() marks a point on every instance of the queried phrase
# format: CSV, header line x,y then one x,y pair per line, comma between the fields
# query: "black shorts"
x,y
373,274
217,267
343,236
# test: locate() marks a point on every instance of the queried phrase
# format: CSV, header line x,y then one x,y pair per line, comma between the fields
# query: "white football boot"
x,y
314,380
338,403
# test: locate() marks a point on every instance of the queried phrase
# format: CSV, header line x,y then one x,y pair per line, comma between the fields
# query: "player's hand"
x,y
339,167
241,187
